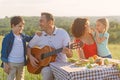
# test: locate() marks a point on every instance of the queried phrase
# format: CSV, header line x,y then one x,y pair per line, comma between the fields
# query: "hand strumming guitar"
x,y
34,62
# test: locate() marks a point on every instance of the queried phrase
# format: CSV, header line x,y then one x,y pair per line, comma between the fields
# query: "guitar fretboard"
x,y
71,46
52,53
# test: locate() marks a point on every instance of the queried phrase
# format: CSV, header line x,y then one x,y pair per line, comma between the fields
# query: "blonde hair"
x,y
105,22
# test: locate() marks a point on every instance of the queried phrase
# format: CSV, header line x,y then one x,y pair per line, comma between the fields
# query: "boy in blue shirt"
x,y
13,54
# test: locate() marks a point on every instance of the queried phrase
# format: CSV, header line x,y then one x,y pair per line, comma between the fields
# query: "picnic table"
x,y
68,71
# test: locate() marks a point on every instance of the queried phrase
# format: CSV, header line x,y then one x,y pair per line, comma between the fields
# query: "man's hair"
x,y
48,16
16,20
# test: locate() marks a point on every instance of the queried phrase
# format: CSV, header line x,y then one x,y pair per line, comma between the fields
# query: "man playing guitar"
x,y
53,37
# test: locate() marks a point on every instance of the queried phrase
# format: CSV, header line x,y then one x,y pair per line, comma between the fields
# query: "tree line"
x,y
32,25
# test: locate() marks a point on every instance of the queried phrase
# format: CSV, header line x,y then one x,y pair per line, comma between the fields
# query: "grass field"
x,y
114,48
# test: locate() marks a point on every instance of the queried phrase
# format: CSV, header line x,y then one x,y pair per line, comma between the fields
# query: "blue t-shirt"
x,y
103,46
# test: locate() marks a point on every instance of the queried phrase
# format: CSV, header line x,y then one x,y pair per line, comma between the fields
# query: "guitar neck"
x,y
52,53
71,46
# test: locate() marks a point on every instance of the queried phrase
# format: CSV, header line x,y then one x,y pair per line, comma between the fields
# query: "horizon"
x,y
60,16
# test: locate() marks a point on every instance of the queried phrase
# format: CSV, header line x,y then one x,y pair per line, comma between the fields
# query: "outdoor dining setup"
x,y
94,68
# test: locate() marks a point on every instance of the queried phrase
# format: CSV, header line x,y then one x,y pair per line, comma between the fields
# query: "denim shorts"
x,y
109,56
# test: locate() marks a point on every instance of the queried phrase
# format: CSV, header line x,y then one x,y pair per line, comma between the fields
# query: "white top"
x,y
59,39
17,53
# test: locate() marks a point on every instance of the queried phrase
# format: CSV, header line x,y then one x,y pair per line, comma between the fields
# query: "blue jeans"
x,y
109,56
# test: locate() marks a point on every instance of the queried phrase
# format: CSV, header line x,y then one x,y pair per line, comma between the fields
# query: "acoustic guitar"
x,y
46,55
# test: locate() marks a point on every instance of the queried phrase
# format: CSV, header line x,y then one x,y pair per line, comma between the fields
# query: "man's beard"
x,y
42,29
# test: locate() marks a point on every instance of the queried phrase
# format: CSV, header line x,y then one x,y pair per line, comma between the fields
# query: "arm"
x,y
4,53
80,53
33,61
31,44
6,67
28,38
99,39
92,31
67,51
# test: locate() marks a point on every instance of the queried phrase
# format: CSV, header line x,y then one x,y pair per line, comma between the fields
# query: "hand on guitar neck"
x,y
67,51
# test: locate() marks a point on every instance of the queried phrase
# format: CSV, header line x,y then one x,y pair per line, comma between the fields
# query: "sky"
x,y
60,7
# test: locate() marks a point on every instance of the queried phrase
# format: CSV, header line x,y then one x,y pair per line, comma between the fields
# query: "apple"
x,y
118,66
95,57
91,60
99,61
89,66
106,62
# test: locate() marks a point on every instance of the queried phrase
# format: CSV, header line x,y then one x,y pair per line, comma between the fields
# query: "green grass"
x,y
1,41
114,48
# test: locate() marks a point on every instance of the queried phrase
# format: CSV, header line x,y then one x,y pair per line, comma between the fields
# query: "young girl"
x,y
81,32
102,37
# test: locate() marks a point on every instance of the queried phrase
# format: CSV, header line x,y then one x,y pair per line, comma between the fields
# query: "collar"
x,y
54,33
12,34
